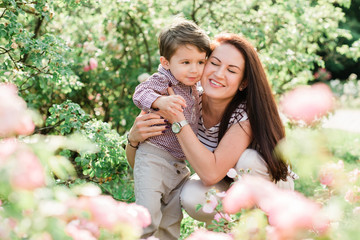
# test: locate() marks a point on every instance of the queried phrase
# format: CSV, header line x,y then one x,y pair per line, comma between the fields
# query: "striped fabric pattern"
x,y
209,137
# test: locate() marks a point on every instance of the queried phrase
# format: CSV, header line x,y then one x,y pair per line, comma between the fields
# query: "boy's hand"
x,y
170,104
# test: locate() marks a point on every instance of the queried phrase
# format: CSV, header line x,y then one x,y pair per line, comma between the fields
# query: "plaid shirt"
x,y
147,92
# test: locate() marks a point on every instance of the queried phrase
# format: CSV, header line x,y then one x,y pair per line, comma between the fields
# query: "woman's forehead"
x,y
228,53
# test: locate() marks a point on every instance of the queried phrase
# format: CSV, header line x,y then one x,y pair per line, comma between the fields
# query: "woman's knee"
x,y
193,193
251,162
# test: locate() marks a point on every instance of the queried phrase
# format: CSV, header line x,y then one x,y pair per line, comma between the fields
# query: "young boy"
x,y
160,169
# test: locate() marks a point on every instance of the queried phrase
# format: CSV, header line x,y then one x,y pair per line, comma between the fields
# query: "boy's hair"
x,y
180,33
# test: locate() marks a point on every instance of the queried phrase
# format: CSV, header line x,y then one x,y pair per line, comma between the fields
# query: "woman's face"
x,y
223,72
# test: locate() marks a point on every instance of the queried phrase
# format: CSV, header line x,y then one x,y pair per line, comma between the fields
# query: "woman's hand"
x,y
146,125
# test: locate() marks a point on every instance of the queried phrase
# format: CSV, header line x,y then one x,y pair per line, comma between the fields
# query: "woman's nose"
x,y
219,73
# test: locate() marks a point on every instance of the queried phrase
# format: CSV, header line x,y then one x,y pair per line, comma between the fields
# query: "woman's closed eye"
x,y
214,63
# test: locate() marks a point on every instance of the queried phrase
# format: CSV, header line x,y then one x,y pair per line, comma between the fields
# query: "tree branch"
x,y
3,13
145,41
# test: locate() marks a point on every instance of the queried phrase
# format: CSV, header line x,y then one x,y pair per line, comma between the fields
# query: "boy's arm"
x,y
149,95
147,92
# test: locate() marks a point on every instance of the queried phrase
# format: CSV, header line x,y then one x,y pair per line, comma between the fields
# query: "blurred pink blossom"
x,y
210,204
29,173
354,175
14,118
219,216
356,211
239,196
308,103
353,195
8,147
208,235
86,68
93,63
288,211
221,194
26,126
108,213
106,217
79,231
322,74
140,213
331,172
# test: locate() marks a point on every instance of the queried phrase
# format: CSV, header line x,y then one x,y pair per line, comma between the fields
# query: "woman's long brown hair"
x,y
266,125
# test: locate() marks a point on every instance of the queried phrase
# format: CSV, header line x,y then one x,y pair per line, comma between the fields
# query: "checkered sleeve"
x,y
147,92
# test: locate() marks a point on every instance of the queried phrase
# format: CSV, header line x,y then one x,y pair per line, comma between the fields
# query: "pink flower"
x,y
106,217
330,173
356,211
219,216
78,230
308,103
208,235
14,118
354,175
353,195
231,173
86,68
93,63
210,204
26,126
29,173
239,196
288,211
140,213
8,147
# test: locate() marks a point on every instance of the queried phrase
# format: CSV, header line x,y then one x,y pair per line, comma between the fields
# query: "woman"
x,y
239,125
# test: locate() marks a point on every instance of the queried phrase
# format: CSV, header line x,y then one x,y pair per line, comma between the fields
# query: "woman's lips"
x,y
215,83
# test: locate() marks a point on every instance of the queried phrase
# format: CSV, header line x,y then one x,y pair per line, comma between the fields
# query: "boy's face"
x,y
187,64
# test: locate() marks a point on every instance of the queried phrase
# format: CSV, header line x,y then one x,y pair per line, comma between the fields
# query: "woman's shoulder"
x,y
239,114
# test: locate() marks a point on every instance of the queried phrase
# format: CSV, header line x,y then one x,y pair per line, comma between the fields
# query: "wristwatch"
x,y
177,126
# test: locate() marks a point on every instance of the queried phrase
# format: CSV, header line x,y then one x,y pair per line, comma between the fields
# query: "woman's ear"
x,y
164,62
243,84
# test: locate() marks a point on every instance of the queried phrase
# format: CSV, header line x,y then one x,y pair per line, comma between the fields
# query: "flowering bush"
x,y
308,103
32,203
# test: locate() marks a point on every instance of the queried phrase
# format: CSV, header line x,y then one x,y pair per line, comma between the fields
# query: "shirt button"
x,y
178,172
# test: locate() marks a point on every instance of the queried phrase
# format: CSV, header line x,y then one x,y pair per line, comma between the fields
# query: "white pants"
x,y
159,178
194,191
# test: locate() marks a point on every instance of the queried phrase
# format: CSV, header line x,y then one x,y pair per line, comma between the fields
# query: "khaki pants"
x,y
159,178
194,191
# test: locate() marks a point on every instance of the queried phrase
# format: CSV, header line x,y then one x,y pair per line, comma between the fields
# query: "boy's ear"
x,y
164,62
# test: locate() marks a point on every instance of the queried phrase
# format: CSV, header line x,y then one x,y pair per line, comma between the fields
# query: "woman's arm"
x,y
213,166
141,130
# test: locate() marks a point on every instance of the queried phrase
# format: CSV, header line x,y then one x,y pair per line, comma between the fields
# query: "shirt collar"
x,y
168,74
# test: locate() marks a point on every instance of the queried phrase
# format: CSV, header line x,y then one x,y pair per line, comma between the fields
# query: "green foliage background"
x,y
45,45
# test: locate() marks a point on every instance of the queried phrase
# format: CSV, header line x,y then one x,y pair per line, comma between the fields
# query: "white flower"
x,y
143,77
232,173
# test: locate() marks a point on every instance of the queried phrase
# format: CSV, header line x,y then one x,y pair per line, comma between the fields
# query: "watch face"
x,y
175,127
